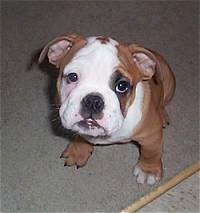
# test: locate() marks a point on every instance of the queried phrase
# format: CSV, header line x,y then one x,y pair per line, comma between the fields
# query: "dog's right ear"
x,y
57,49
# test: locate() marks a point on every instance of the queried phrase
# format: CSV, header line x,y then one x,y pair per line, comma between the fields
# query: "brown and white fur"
x,y
138,113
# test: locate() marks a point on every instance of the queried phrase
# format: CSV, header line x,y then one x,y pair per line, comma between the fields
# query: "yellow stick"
x,y
162,189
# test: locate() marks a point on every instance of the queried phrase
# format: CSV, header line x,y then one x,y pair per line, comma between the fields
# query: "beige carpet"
x,y
32,175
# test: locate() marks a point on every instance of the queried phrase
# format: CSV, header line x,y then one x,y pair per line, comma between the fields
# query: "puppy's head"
x,y
97,82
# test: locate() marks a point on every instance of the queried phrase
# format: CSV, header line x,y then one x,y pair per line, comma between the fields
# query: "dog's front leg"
x,y
149,166
77,152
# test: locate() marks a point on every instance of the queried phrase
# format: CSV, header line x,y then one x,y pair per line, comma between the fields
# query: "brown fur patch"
x,y
128,69
103,39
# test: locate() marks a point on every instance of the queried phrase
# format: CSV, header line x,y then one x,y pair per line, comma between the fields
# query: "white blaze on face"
x,y
94,65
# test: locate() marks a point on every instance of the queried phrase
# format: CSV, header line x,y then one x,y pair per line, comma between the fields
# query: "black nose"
x,y
92,104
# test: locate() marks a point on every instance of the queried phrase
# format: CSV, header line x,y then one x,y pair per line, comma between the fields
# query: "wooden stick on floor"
x,y
163,188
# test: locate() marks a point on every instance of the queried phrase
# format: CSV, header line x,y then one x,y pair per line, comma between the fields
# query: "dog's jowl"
x,y
110,92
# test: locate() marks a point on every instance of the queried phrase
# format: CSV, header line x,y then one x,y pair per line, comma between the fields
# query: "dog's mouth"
x,y
89,123
90,128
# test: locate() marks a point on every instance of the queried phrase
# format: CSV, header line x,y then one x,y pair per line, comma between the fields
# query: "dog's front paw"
x,y
77,154
146,177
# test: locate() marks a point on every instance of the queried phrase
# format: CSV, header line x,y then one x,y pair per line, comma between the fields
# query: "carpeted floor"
x,y
33,176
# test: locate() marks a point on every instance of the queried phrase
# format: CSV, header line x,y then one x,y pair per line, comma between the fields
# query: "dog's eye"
x,y
122,86
72,77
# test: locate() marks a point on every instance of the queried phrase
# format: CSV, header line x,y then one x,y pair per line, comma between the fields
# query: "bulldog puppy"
x,y
111,92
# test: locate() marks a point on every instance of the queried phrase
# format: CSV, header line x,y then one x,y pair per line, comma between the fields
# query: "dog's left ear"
x,y
144,59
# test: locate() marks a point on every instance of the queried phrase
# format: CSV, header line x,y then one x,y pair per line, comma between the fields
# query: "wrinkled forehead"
x,y
98,58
